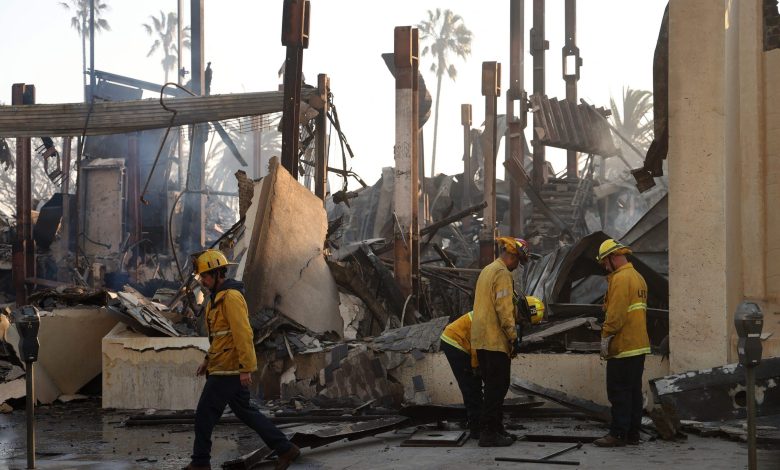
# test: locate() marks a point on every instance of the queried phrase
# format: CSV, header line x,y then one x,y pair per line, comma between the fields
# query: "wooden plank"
x,y
127,116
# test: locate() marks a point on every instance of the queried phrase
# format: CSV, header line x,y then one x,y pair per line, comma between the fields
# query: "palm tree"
x,y
80,22
166,27
446,33
634,119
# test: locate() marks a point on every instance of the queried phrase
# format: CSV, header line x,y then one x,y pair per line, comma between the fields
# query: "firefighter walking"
x,y
228,365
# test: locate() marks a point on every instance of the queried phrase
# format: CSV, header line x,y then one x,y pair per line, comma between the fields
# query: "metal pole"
x,y
538,46
571,73
750,378
193,221
65,190
491,90
418,172
23,261
404,187
91,50
515,110
468,172
30,412
295,36
321,169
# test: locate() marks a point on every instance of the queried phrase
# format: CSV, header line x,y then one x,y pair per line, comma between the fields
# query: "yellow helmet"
x,y
537,309
210,260
610,247
515,246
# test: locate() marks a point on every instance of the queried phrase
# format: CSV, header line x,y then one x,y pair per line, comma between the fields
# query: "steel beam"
x,y
538,47
404,188
515,110
571,73
321,142
23,261
295,36
418,172
491,90
468,172
65,190
194,226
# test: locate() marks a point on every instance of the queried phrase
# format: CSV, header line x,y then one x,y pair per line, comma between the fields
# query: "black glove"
x,y
518,339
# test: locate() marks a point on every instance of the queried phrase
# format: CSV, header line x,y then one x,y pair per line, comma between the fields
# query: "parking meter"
x,y
749,321
28,321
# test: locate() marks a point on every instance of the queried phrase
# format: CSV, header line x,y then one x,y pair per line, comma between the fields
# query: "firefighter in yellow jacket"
x,y
624,343
494,336
456,346
228,365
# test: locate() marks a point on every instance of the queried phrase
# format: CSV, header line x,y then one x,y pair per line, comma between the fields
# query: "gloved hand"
x,y
605,345
516,346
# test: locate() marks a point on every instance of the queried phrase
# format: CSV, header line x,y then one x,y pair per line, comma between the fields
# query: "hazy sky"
x,y
616,39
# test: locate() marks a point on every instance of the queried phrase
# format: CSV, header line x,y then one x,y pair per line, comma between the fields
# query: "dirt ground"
x,y
81,435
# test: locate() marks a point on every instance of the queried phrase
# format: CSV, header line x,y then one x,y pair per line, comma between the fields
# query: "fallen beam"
x,y
118,117
589,408
320,438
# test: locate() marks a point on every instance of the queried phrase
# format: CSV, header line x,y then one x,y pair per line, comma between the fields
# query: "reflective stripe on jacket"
x,y
493,326
232,348
625,309
458,334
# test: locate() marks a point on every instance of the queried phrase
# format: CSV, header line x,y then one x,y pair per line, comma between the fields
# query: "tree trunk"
x,y
435,123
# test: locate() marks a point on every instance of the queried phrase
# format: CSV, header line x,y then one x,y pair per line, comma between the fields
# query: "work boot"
x,y
494,439
197,467
504,432
287,458
633,440
609,441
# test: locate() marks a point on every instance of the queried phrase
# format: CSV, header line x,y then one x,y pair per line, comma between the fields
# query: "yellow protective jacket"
x,y
625,309
232,348
493,326
458,335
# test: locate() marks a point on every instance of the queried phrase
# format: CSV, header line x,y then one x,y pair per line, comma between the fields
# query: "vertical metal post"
x,y
179,67
750,378
491,90
30,412
23,248
515,111
571,73
65,190
321,143
418,171
194,226
133,191
91,50
295,36
468,172
405,187
538,47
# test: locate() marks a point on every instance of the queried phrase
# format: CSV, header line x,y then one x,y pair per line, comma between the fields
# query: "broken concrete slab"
x,y
422,336
70,341
285,266
141,372
352,311
719,393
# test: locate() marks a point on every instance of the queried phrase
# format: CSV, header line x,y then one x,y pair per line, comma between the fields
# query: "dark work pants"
x,y
494,367
220,391
624,390
469,383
